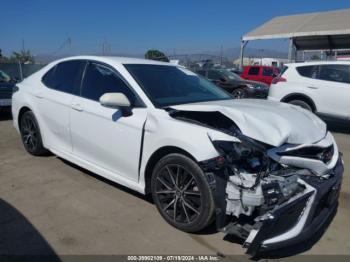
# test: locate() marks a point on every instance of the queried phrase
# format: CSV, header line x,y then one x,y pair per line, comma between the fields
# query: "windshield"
x,y
230,74
171,85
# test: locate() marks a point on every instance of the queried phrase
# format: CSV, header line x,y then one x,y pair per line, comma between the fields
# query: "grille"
x,y
328,199
5,93
288,219
318,153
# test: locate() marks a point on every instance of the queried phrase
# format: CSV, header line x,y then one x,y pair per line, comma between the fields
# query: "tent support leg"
x,y
291,50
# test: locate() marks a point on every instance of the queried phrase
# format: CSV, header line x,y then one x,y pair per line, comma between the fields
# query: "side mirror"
x,y
117,100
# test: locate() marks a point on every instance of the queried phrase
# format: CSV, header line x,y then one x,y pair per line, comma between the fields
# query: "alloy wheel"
x,y
29,132
178,194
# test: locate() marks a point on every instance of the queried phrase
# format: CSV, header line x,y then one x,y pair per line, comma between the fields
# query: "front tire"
x,y
181,193
239,93
30,134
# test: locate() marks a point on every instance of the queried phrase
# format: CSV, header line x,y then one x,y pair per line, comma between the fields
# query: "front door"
x,y
101,135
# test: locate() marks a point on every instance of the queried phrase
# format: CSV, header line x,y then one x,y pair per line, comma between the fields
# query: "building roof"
x,y
321,30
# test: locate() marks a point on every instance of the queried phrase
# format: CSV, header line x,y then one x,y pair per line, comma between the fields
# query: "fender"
x,y
301,95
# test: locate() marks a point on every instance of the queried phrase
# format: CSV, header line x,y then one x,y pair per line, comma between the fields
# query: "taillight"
x,y
278,79
15,89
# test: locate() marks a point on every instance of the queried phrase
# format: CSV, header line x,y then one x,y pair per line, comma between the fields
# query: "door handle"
x,y
39,95
77,107
312,87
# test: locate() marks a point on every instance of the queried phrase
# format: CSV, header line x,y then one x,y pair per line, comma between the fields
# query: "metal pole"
x,y
20,69
221,54
243,44
290,51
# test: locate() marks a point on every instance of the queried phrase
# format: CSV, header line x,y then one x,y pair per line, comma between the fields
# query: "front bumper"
x,y
257,93
300,219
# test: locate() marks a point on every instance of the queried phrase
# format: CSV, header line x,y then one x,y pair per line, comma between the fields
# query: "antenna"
x,y
67,42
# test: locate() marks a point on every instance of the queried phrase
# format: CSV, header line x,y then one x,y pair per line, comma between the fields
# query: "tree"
x,y
24,57
154,54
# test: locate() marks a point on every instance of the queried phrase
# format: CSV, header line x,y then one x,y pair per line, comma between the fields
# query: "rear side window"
x,y
254,71
267,71
335,73
308,71
100,79
65,76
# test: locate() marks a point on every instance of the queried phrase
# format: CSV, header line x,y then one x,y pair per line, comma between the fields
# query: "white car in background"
x,y
268,172
322,87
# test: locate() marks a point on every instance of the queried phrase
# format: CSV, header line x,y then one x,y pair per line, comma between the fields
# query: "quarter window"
x,y
254,71
99,80
335,73
308,71
65,76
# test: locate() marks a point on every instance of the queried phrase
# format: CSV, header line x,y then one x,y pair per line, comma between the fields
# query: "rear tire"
x,y
181,193
30,134
302,104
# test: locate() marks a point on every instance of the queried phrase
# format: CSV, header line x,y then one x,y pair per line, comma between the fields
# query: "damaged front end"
x,y
270,197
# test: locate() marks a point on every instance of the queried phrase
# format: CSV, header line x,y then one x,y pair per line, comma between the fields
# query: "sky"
x,y
134,26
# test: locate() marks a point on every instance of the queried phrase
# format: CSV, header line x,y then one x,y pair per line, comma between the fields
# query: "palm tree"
x,y
24,57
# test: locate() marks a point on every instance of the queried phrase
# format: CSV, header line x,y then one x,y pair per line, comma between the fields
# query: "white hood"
x,y
270,122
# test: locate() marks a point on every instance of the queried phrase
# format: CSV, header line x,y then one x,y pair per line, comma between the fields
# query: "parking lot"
x,y
48,205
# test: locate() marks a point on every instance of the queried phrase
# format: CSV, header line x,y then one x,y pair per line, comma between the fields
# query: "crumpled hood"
x,y
271,122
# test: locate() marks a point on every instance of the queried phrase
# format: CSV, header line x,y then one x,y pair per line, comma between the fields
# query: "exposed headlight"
x,y
255,86
248,154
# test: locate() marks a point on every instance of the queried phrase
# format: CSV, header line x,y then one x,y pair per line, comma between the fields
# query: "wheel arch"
x,y
20,114
155,157
300,96
21,111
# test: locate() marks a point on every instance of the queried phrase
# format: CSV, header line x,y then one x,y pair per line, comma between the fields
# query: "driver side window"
x,y
100,79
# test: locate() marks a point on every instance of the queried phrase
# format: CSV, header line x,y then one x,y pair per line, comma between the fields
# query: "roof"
x,y
329,62
322,30
116,59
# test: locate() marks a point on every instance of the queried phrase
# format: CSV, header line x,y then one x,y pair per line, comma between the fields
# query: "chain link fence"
x,y
20,71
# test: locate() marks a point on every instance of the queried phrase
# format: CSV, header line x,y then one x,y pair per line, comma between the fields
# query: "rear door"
x,y
254,73
267,75
60,84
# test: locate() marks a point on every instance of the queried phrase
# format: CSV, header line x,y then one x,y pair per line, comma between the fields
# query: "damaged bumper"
x,y
299,219
295,221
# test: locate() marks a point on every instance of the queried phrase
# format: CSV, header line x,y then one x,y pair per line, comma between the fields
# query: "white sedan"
x,y
266,171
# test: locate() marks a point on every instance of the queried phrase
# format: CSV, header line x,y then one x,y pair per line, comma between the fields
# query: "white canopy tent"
x,y
313,31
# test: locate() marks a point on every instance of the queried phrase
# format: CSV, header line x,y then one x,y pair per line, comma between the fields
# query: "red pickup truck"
x,y
260,73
